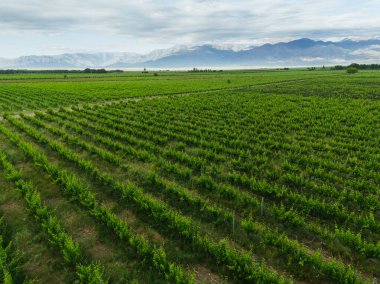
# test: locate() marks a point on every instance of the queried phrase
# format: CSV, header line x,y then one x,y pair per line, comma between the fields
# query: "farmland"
x,y
180,177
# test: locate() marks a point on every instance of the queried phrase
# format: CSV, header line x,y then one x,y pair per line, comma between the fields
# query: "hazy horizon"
x,y
218,45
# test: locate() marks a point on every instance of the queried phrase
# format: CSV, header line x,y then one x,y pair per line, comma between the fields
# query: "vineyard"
x,y
223,177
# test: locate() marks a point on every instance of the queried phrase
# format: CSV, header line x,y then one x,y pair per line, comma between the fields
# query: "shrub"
x,y
352,70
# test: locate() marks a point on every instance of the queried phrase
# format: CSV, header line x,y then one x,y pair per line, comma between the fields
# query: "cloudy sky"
x,y
54,27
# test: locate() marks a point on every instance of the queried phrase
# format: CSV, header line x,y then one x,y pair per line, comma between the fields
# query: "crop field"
x,y
181,177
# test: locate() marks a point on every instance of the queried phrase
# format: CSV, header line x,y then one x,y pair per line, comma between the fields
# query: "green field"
x,y
180,177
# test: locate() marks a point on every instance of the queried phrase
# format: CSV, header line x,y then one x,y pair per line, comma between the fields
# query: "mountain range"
x,y
300,52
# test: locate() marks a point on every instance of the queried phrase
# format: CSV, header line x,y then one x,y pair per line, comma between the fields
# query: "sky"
x,y
41,27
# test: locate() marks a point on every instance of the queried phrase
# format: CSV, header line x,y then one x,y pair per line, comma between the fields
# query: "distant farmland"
x,y
220,177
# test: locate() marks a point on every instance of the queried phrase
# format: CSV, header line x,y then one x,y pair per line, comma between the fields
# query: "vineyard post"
x,y
262,206
233,222
192,243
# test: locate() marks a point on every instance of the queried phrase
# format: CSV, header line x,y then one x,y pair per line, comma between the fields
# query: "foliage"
x,y
265,184
352,70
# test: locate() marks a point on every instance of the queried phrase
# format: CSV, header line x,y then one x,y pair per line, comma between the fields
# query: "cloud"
x,y
192,21
371,52
312,59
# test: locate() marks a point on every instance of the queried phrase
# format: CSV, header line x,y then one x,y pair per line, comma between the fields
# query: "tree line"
x,y
87,70
358,66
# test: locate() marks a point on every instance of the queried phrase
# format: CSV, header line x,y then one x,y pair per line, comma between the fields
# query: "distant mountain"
x,y
301,52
